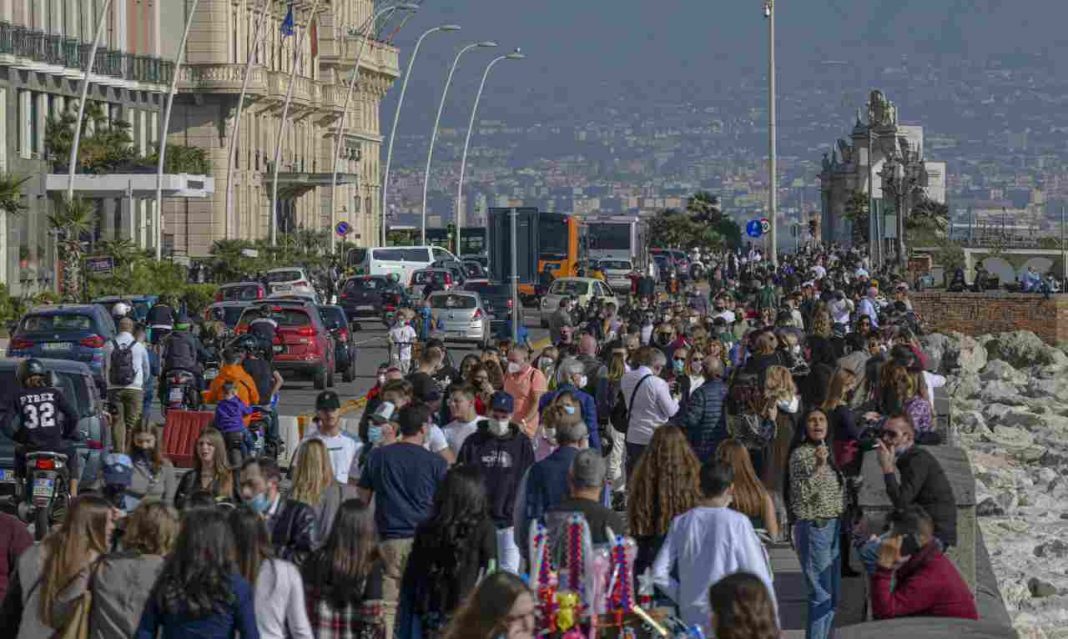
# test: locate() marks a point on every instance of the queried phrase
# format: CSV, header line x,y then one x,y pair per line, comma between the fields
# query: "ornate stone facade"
x,y
209,87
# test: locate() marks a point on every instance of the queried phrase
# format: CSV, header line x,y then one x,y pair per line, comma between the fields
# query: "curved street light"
x,y
364,33
101,21
396,117
437,120
515,55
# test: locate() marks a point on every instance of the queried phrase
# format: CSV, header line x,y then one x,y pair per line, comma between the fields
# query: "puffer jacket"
x,y
704,418
294,530
120,587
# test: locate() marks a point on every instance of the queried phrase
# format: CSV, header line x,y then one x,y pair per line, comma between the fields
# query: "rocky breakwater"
x,y
1009,395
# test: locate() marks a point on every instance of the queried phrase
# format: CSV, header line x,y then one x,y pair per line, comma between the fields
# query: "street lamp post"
x,y
396,118
437,121
365,32
101,21
297,54
165,127
773,182
514,55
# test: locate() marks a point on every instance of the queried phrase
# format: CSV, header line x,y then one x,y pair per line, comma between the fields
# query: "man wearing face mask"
x,y
571,378
503,453
526,385
291,524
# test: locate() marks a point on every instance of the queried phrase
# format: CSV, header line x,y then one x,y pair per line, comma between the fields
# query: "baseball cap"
x,y
118,469
327,400
588,470
502,401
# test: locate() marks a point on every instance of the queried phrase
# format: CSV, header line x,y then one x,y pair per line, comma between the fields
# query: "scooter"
x,y
44,493
182,392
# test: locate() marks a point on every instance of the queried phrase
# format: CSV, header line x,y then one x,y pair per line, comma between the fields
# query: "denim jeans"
x,y
819,551
507,550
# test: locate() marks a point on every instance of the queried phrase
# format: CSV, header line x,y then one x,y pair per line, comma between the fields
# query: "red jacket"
x,y
928,585
14,538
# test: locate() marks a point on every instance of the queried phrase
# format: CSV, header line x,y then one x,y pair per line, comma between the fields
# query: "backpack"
x,y
121,371
620,417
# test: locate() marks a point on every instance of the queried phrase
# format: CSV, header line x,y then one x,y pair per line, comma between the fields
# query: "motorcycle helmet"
x,y
247,343
30,367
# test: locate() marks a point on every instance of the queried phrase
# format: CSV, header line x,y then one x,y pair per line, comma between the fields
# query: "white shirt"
x,y
142,371
403,336
435,439
933,381
652,407
728,316
456,432
819,272
704,545
279,601
344,453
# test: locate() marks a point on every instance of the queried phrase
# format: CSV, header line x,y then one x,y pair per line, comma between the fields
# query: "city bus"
x,y
617,237
543,240
558,243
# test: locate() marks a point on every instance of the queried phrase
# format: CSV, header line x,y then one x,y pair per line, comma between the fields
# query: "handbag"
x,y
77,626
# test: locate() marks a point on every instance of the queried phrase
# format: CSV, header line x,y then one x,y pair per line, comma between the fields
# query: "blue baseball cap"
x,y
502,401
118,469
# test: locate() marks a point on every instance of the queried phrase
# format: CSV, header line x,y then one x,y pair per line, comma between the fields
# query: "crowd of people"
x,y
707,425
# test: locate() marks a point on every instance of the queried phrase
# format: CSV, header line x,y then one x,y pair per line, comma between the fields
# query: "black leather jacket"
x,y
294,531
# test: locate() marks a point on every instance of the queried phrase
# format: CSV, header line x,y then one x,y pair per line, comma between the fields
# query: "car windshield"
x,y
364,284
570,287
474,269
400,255
57,323
284,316
283,276
332,316
453,301
231,314
425,277
615,264
241,293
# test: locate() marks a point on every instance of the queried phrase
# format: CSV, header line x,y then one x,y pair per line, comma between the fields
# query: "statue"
x,y
847,151
881,111
826,163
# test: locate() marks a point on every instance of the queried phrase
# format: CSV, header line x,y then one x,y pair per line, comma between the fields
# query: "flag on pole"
x,y
288,22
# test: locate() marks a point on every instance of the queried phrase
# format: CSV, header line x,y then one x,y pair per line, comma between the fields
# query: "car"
x,y
227,312
473,270
79,387
483,260
290,279
76,332
498,302
674,257
139,304
303,344
403,260
458,316
241,292
371,296
337,322
617,273
583,289
441,278
301,295
455,268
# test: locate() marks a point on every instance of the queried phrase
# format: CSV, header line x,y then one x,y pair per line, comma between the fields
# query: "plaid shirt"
x,y
363,620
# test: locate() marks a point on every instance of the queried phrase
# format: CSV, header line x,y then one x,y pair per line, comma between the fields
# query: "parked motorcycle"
x,y
44,494
182,392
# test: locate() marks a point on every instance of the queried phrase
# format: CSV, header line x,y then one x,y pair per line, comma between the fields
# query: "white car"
x,y
583,289
290,280
617,273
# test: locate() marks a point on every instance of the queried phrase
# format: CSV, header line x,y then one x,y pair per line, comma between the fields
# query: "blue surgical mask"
x,y
260,503
569,409
374,434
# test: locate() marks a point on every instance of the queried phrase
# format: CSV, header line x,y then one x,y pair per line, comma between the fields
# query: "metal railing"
x,y
70,53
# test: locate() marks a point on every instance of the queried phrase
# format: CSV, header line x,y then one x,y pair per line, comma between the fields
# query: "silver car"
x,y
459,316
617,274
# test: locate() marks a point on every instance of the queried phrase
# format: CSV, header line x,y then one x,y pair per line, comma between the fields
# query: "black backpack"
x,y
121,371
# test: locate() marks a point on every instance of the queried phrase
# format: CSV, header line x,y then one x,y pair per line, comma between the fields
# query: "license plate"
x,y
365,307
175,395
56,346
282,287
43,487
279,348
210,374
459,334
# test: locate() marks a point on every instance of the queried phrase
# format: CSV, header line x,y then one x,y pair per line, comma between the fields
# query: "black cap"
x,y
327,400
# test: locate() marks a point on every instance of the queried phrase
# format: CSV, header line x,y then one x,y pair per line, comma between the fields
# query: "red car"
x,y
302,344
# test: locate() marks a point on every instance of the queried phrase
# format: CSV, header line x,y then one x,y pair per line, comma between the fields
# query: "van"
x,y
402,260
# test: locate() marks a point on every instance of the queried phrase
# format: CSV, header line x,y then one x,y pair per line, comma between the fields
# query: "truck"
x,y
617,237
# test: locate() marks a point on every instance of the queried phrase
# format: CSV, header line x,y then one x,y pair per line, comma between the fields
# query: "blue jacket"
x,y
586,403
240,616
547,482
704,418
229,414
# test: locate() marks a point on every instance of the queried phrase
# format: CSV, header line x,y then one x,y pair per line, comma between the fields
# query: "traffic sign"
x,y
765,225
754,229
343,228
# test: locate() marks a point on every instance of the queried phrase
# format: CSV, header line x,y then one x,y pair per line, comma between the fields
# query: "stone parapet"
x,y
994,312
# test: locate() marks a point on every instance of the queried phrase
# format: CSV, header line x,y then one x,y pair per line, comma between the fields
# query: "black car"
x,y
497,300
370,296
337,322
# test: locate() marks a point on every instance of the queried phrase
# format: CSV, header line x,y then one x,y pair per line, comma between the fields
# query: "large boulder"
x,y
997,370
1022,349
934,346
953,352
1001,393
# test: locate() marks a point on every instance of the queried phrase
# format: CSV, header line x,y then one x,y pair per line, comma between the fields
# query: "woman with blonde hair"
x,y
784,408
210,472
314,484
605,396
899,392
665,484
844,429
751,498
123,580
52,578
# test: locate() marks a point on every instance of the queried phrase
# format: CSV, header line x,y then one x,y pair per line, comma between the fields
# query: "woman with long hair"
x,y
496,374
52,578
200,591
278,588
605,396
343,579
315,484
784,404
844,429
210,472
502,607
467,363
152,477
751,498
815,502
124,579
665,484
900,393
450,552
742,608
479,379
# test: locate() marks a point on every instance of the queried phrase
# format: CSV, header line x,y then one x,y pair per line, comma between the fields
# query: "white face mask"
x,y
583,381
381,379
788,406
498,427
514,367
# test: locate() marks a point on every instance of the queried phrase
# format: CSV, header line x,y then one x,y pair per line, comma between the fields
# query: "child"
x,y
401,337
229,414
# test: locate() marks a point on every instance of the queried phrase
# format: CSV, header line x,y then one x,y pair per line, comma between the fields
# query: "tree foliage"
x,y
701,225
71,220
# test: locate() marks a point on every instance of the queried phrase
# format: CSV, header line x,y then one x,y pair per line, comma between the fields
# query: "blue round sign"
x,y
343,228
754,228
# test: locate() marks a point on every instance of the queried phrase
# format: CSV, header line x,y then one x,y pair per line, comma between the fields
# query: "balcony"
x,y
222,78
379,56
35,50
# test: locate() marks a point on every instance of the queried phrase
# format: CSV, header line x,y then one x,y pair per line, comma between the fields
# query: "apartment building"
x,y
205,109
44,46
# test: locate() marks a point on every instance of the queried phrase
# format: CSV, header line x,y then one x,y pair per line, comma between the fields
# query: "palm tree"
x,y
71,220
11,194
704,207
122,250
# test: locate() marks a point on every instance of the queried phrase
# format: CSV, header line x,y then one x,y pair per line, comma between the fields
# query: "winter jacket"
x,y
14,540
547,482
928,585
587,405
182,351
704,418
28,574
145,484
121,587
502,461
924,483
294,530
